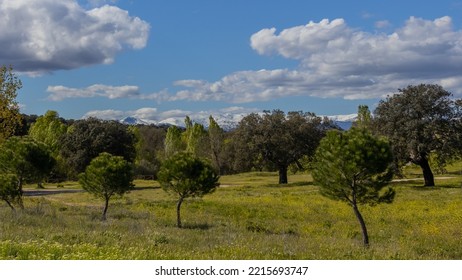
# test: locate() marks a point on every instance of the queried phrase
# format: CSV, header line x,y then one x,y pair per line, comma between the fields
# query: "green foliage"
x,y
353,167
173,142
419,121
106,176
28,159
279,139
86,139
216,140
9,189
364,117
196,139
10,117
149,144
187,176
49,129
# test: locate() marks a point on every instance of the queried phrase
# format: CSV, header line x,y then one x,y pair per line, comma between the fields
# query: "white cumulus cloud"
x,y
38,36
58,93
105,114
336,60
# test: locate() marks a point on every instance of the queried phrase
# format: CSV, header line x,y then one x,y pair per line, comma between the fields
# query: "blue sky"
x,y
169,58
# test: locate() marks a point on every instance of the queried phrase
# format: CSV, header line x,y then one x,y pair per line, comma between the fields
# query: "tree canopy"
x,y
106,176
354,167
49,129
280,139
10,118
420,121
86,139
9,189
29,160
187,176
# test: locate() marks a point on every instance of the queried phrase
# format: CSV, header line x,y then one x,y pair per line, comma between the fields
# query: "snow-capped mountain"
x,y
133,121
227,121
344,121
344,118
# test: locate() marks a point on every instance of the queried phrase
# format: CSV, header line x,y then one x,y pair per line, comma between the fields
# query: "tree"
x,y
9,190
173,143
86,139
10,118
187,176
106,176
364,117
216,140
30,161
420,121
353,167
49,129
196,138
26,122
149,147
279,139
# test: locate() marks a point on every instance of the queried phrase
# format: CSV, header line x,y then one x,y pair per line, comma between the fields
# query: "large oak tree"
x,y
86,139
420,121
280,139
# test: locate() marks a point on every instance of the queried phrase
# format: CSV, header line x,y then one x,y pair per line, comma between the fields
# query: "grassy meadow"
x,y
248,217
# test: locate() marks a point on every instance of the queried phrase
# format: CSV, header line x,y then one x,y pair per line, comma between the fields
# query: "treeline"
x,y
272,141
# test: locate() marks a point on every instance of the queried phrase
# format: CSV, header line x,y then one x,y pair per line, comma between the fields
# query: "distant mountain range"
x,y
226,121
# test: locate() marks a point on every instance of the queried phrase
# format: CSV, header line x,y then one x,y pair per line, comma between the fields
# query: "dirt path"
x,y
43,192
419,179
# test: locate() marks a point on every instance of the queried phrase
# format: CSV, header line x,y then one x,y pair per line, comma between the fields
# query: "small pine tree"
x,y
354,167
187,176
106,176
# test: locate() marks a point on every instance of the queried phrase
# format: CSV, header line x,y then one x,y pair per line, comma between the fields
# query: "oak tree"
x,y
9,190
280,139
30,161
86,139
420,121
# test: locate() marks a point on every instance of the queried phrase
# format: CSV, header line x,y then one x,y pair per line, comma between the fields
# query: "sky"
x,y
159,59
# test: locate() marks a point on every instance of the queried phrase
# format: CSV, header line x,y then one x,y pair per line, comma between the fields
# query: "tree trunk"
x,y
21,192
11,205
106,205
178,215
363,225
427,172
283,174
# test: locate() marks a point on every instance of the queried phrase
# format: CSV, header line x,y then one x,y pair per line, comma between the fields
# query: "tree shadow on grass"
x,y
294,184
145,188
412,184
437,187
44,192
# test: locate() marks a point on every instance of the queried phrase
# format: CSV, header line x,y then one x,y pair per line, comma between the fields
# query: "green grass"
x,y
249,217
